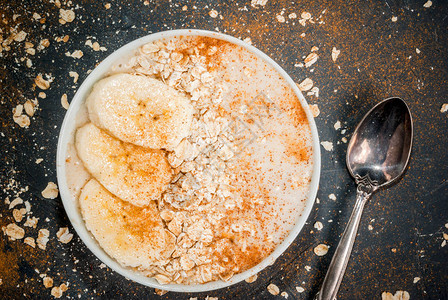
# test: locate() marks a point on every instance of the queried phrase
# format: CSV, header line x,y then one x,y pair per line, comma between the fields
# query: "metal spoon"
x,y
377,155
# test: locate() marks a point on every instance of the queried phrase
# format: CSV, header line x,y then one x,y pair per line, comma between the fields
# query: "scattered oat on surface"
x,y
39,160
14,231
370,227
335,53
445,236
75,76
22,120
42,238
332,197
417,51
280,18
344,140
399,295
300,289
15,202
213,13
284,294
30,242
305,15
314,92
321,249
211,298
95,46
41,82
48,282
64,101
292,16
30,107
337,125
30,51
251,279
327,145
305,85
36,16
57,291
63,235
42,95
20,36
314,110
62,39
311,59
107,5
66,15
51,191
18,214
428,4
318,225
416,279
254,3
444,107
31,222
75,54
273,289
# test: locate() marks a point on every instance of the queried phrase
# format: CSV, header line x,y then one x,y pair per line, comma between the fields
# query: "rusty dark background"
x,y
378,59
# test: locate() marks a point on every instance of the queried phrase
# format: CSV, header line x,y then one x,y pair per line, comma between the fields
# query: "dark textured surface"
x,y
378,59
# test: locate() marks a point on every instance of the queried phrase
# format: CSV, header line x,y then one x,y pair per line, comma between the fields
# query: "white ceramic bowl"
x,y
71,204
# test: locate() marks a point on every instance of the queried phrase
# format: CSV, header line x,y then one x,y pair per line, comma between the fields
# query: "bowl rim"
x,y
71,206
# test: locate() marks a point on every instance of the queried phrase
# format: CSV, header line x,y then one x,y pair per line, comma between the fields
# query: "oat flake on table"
x,y
63,235
58,291
321,250
47,281
41,82
273,289
327,145
310,59
444,107
51,191
14,231
64,101
30,242
305,85
399,295
43,238
335,54
314,110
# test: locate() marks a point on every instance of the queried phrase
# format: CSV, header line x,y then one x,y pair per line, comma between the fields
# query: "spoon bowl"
x,y
381,144
377,155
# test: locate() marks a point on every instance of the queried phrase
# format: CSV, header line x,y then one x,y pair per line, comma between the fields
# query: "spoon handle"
x,y
341,256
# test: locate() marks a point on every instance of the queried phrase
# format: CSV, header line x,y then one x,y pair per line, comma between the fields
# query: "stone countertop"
x,y
387,48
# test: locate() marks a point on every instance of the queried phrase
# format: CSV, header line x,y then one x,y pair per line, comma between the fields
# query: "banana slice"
x,y
140,110
134,236
132,173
